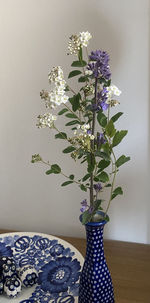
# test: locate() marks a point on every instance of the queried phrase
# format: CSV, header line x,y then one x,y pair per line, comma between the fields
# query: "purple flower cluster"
x,y
97,187
100,139
100,67
101,97
84,205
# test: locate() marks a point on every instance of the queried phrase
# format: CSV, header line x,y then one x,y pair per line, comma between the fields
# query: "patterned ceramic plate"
x,y
57,262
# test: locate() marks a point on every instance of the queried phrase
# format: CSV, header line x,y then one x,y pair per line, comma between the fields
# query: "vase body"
x,y
95,280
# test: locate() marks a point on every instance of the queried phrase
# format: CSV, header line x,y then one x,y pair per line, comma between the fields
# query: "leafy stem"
x,y
92,147
113,182
74,181
72,111
63,136
71,89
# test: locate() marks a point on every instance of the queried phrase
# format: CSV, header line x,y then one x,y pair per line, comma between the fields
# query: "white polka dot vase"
x,y
95,280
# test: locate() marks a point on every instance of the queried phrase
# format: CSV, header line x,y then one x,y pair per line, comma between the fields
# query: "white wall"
x,y
34,36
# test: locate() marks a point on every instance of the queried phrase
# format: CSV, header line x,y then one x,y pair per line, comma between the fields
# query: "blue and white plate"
x,y
57,262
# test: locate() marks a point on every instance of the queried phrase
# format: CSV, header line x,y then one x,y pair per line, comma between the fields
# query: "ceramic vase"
x,y
95,280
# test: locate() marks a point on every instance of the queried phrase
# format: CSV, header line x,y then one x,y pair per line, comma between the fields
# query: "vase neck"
x,y
94,237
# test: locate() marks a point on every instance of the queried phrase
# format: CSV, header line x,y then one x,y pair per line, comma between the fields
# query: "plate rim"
x,y
21,233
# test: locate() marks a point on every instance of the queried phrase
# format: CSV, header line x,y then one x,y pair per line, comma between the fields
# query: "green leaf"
x,y
67,89
123,159
83,161
108,185
86,217
83,187
102,119
48,172
68,149
71,177
97,204
116,192
64,110
103,164
55,169
75,101
118,137
103,177
61,136
110,129
66,183
106,148
116,117
74,128
72,122
96,179
74,73
103,155
71,116
87,176
79,63
83,79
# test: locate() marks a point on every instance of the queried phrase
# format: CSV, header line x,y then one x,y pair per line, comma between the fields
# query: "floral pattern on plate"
x,y
57,262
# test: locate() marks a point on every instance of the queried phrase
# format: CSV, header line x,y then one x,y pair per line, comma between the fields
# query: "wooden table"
x,y
129,264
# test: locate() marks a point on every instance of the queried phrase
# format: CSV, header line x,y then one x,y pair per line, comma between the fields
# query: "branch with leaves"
x,y
88,144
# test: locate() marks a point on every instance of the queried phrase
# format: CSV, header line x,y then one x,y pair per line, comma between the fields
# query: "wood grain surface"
x,y
129,264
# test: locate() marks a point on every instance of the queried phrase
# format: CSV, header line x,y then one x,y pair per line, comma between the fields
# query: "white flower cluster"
x,y
57,95
77,41
84,128
56,76
82,139
84,38
112,91
88,72
46,120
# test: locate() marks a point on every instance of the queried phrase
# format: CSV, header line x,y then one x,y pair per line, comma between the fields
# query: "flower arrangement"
x,y
94,135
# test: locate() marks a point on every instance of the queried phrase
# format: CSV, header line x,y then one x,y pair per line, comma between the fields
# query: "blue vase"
x,y
95,280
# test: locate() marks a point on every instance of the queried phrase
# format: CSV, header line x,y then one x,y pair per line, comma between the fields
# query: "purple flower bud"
x,y
90,210
97,187
104,105
89,132
100,139
82,209
84,202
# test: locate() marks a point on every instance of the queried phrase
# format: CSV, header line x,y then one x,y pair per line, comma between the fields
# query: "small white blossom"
x,y
77,41
74,44
36,158
88,72
114,102
92,137
112,91
85,127
58,99
84,38
46,120
56,75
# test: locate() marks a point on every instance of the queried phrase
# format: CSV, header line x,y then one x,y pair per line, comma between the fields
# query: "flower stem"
x,y
77,182
113,182
72,111
71,90
60,133
92,147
